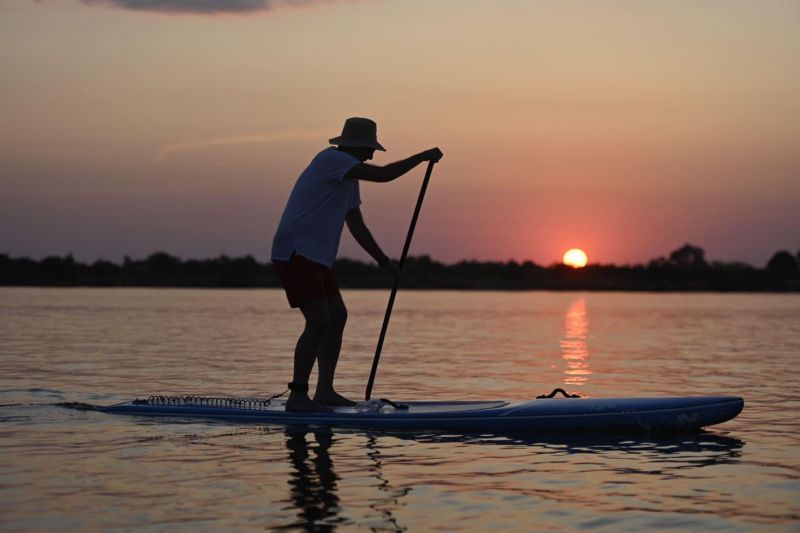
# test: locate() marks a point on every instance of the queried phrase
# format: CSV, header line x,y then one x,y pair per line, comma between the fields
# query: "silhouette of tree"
x,y
688,256
239,271
59,271
685,269
162,262
103,273
782,265
658,262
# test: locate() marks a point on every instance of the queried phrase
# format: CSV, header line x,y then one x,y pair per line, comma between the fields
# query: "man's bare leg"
x,y
318,320
328,354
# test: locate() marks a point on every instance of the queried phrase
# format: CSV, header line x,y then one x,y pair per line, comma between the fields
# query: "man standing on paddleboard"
x,y
325,196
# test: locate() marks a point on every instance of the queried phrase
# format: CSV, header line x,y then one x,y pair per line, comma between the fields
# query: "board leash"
x,y
208,401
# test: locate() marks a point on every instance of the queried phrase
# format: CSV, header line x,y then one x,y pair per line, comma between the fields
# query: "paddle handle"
x,y
396,284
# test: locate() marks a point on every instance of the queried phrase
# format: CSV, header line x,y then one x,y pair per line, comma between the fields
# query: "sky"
x,y
625,128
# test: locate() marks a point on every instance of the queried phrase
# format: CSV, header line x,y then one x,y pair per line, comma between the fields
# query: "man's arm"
x,y
363,171
357,227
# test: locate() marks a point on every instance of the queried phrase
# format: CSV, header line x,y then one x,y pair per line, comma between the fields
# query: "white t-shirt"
x,y
313,219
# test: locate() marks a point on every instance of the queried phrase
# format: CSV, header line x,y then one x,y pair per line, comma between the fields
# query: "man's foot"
x,y
301,403
333,398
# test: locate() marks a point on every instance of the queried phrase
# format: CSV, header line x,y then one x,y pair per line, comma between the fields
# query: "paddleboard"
x,y
540,416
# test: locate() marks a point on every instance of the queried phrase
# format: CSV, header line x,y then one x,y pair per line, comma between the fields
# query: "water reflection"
x,y
574,347
705,447
314,483
391,497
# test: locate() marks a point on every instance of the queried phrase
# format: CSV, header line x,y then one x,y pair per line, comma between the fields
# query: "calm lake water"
x,y
65,469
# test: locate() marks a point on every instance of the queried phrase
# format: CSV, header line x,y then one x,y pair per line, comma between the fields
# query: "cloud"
x,y
202,7
253,138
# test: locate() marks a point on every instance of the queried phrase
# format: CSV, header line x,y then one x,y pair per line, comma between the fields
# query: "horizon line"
x,y
665,258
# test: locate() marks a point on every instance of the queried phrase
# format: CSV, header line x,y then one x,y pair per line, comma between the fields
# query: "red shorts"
x,y
305,281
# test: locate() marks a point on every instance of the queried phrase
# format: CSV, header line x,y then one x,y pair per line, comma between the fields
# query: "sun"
x,y
575,258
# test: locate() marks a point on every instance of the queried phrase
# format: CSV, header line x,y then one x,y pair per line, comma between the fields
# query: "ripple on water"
x,y
75,469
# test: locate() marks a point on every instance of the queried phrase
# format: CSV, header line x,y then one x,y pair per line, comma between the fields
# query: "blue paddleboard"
x,y
541,416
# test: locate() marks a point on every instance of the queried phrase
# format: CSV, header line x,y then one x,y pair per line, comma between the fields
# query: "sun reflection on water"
x,y
574,347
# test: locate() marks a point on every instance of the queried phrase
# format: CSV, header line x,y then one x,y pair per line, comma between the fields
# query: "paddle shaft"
x,y
396,285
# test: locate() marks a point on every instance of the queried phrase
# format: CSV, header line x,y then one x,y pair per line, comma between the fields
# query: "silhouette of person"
x,y
314,484
324,198
313,481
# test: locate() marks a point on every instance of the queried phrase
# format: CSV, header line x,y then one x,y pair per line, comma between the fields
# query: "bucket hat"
x,y
358,132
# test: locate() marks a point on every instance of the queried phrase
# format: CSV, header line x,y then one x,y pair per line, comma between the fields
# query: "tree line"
x,y
684,269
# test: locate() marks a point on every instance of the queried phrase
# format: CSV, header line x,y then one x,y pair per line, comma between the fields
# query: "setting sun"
x,y
575,258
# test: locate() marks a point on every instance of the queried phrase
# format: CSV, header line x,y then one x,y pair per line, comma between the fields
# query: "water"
x,y
64,469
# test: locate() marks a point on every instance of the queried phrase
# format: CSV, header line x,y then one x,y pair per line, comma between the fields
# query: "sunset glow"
x,y
188,133
575,258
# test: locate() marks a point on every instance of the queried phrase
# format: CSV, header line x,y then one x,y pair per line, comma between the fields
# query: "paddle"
x,y
397,281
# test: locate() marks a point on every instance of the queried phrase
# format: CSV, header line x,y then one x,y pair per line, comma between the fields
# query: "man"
x,y
304,248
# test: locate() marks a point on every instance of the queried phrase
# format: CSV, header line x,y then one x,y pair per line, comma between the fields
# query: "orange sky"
x,y
622,128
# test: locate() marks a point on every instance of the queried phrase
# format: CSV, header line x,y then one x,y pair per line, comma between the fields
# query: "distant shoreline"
x,y
418,289
685,270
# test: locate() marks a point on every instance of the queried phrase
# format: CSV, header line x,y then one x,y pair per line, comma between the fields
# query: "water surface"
x,y
69,469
